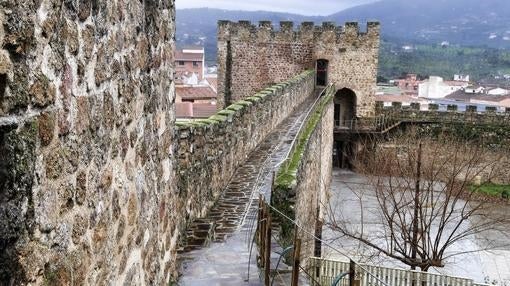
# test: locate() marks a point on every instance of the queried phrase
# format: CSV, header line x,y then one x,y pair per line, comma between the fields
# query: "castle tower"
x,y
252,57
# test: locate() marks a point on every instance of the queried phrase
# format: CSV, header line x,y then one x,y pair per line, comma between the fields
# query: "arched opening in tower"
x,y
322,72
345,108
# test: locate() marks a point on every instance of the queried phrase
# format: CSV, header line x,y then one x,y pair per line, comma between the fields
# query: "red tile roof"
x,y
213,81
461,95
456,83
491,98
195,92
196,57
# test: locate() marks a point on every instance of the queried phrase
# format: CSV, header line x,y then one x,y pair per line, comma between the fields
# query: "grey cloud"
x,y
305,7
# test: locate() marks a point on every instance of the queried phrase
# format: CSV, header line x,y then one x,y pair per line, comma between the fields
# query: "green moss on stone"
x,y
244,103
235,107
226,112
207,121
286,176
260,95
219,118
181,125
253,99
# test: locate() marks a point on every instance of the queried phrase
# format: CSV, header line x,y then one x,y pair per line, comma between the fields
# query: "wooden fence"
x,y
326,271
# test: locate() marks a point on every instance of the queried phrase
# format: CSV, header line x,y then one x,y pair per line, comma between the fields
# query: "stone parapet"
x,y
210,150
350,33
432,116
303,180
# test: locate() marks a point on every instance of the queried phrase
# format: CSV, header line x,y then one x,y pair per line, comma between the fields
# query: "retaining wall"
x,y
302,183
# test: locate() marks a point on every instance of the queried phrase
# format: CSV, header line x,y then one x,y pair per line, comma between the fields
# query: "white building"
x,y
461,77
498,91
436,87
474,89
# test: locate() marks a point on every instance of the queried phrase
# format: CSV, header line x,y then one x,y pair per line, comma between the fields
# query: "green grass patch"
x,y
493,190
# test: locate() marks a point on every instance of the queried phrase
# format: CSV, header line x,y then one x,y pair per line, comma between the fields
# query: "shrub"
x,y
452,107
415,106
491,109
379,105
433,106
471,108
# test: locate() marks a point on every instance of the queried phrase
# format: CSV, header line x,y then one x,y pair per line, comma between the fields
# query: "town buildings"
x,y
196,91
189,65
458,92
409,83
435,87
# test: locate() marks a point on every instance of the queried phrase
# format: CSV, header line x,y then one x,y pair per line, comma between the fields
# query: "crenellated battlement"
x,y
252,56
304,32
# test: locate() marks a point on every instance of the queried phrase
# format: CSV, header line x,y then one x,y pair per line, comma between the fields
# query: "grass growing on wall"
x,y
283,195
286,176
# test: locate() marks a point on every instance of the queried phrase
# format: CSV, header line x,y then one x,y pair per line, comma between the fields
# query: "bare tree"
x,y
427,200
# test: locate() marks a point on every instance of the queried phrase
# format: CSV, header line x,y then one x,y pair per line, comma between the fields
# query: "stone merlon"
x,y
245,30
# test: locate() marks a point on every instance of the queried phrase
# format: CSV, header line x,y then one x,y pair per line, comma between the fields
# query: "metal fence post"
x,y
267,250
297,261
352,272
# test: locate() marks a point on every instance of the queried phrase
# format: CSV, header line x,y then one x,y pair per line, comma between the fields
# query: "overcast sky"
x,y
305,7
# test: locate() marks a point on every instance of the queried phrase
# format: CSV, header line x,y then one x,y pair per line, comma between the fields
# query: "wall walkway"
x,y
217,248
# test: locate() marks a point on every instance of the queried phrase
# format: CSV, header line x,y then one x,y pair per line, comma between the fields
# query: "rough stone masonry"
x,y
251,57
86,128
88,186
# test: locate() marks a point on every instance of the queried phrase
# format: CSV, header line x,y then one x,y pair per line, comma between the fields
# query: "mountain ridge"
x,y
463,22
418,24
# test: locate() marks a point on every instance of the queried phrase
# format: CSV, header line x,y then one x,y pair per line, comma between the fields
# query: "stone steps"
x,y
200,234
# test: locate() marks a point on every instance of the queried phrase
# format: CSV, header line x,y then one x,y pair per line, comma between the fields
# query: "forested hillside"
x,y
477,32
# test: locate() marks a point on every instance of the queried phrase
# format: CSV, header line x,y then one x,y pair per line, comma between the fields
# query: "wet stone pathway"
x,y
217,248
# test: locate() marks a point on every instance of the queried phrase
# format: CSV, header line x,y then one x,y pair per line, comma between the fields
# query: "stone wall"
x,y
250,57
492,118
86,127
210,150
302,184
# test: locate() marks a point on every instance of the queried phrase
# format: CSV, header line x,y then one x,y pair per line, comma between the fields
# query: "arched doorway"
x,y
345,108
322,72
344,116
